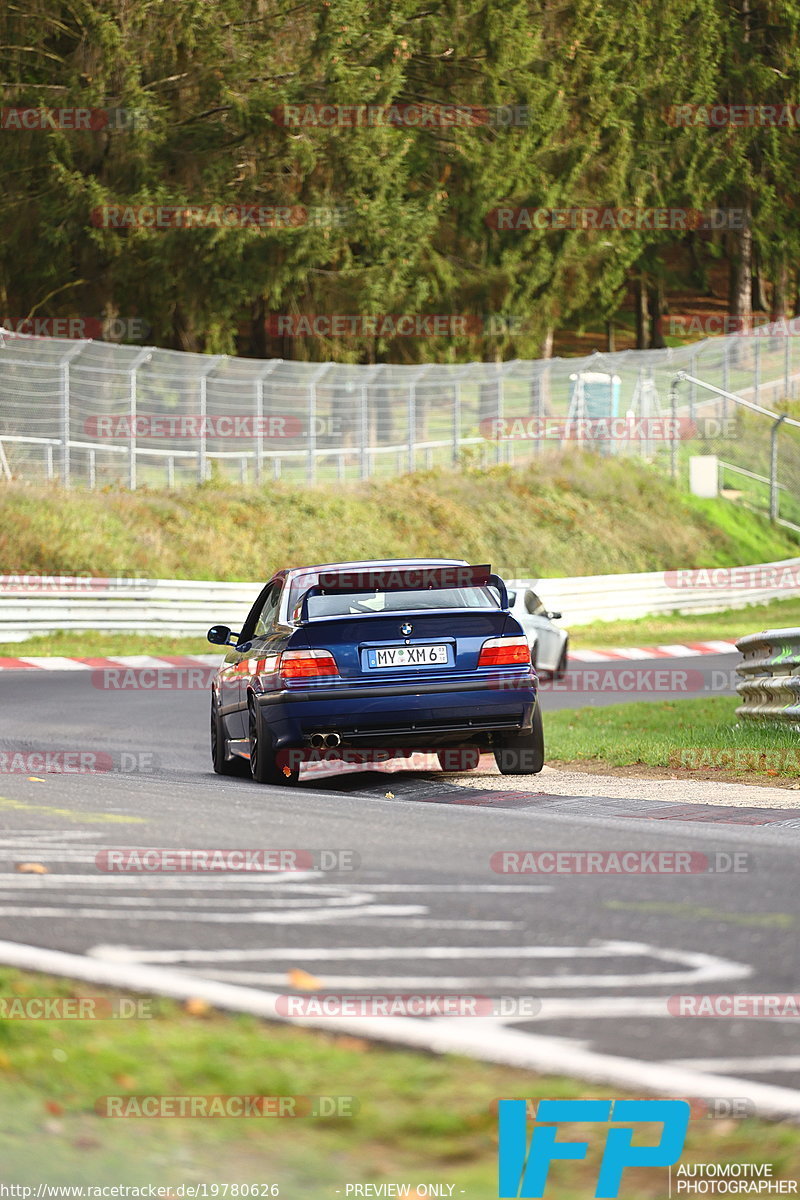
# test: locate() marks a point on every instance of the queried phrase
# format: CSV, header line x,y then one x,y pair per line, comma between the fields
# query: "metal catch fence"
x,y
90,414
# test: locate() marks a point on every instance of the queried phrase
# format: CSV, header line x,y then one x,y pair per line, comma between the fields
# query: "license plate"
x,y
408,656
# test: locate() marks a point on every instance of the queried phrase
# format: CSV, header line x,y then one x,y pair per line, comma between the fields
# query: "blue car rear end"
x,y
404,654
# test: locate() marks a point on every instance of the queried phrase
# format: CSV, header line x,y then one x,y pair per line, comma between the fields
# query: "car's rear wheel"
x,y
561,669
522,753
222,765
264,765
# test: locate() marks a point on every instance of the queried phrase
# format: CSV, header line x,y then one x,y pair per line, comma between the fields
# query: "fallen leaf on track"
x,y
303,981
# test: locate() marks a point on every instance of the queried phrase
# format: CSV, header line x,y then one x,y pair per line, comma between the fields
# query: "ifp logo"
x,y
523,1170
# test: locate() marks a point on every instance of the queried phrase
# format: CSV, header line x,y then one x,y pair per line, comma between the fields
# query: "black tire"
x,y
522,753
222,765
561,669
263,765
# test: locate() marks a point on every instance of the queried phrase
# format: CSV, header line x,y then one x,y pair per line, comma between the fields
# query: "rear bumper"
x,y
428,713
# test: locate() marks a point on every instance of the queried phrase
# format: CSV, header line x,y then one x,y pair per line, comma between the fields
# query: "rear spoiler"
x,y
403,579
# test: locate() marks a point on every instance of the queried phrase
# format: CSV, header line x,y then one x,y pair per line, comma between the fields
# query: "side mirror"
x,y
220,635
554,616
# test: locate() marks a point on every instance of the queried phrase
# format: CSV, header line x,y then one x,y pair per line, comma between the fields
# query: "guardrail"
x,y
770,687
31,605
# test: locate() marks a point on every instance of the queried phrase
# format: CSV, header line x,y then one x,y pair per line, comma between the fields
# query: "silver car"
x,y
548,643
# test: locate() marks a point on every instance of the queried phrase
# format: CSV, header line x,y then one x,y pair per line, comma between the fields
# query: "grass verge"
x,y
420,1118
729,625
572,514
693,739
97,644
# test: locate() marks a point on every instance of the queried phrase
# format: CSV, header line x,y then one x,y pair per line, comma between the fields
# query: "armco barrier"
x,y
770,672
182,607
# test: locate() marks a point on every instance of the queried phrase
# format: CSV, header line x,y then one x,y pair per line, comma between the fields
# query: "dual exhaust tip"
x,y
318,740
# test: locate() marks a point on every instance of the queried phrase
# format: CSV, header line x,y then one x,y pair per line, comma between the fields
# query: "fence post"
x,y
412,425
787,366
692,387
757,370
725,377
311,462
259,431
201,454
133,383
502,451
673,403
64,404
456,421
773,469
364,423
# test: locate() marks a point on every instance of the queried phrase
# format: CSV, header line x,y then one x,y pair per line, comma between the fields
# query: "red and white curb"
x,y
138,661
678,650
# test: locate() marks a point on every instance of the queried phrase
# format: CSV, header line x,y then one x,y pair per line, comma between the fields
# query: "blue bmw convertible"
x,y
396,654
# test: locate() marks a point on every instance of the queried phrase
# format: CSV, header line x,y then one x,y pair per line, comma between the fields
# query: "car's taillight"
x,y
307,664
505,652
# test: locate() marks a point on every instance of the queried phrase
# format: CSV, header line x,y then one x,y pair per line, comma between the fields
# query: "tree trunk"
x,y
699,271
655,296
741,295
759,291
642,313
609,337
780,289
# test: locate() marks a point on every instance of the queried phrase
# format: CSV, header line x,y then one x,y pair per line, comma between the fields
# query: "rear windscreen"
x,y
433,599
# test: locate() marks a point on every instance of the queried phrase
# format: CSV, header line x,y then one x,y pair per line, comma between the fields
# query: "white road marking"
x,y
57,664
632,653
142,660
775,1062
698,968
679,651
305,917
480,1039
